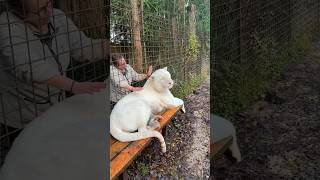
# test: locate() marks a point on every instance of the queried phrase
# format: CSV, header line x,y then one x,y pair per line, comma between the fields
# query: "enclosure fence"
x,y
159,33
74,46
249,37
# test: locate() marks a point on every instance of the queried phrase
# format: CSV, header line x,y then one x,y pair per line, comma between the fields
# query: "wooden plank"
x,y
120,162
117,148
123,160
167,116
112,140
218,148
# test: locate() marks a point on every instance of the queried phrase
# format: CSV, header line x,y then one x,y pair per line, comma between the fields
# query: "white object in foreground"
x,y
222,128
67,142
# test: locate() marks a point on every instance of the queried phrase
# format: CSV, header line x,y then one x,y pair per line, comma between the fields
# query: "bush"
x,y
240,84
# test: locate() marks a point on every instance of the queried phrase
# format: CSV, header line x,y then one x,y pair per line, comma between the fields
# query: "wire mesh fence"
x,y
251,39
66,39
48,51
158,33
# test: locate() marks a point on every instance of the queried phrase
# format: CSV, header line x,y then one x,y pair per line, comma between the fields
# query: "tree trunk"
x,y
203,52
161,50
191,60
174,35
192,20
142,30
180,6
136,36
181,34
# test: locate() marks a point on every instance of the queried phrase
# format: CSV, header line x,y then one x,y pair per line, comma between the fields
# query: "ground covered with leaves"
x,y
187,138
279,135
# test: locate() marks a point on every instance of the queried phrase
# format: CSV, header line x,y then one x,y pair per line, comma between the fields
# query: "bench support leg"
x,y
164,131
123,176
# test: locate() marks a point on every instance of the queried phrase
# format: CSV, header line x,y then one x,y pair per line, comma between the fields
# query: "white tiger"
x,y
137,110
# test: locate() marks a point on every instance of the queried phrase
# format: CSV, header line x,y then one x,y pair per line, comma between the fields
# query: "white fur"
x,y
234,148
67,142
133,111
222,128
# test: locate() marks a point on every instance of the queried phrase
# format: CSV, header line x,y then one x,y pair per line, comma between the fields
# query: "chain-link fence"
x,y
49,50
251,42
159,33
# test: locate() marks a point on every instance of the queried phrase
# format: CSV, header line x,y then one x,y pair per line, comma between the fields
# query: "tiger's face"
x,y
162,80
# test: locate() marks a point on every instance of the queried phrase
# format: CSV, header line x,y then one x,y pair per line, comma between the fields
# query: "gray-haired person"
x,y
121,76
36,45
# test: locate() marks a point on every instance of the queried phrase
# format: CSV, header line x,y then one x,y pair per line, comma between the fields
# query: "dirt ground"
x,y
279,136
187,139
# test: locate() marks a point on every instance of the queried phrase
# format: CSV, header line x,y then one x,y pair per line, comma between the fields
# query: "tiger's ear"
x,y
165,68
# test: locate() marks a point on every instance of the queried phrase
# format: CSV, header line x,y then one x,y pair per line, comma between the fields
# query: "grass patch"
x,y
143,169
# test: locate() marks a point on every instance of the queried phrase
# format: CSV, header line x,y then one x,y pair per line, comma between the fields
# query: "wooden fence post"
x,y
136,35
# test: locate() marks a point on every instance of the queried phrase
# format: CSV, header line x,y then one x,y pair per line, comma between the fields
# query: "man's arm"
x,y
28,62
70,85
136,76
119,80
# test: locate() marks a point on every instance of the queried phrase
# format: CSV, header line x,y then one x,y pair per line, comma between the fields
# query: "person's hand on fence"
x,y
87,87
150,69
131,88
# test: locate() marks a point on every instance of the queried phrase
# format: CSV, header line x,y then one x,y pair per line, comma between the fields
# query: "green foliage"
x,y
173,172
203,22
184,88
194,46
240,84
176,73
203,15
155,6
143,169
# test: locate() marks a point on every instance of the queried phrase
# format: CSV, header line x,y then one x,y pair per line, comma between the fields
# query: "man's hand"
x,y
131,88
67,84
87,87
150,69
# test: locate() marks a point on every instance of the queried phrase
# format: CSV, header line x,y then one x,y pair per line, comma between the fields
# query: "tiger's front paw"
x,y
154,125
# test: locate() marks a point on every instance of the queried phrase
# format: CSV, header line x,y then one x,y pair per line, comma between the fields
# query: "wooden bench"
x,y
218,148
123,153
